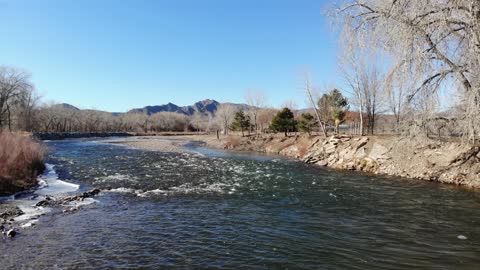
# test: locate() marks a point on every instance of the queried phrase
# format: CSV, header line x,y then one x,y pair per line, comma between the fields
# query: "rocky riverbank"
x,y
8,213
11,216
419,158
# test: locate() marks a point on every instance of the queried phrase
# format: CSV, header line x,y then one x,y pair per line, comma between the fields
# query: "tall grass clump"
x,y
21,161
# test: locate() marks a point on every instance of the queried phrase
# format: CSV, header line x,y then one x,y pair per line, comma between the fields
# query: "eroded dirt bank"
x,y
421,158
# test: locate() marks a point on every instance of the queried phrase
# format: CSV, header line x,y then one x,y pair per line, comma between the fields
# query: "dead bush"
x,y
231,142
21,161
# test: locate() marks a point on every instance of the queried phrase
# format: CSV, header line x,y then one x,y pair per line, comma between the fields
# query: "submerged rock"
x,y
70,210
45,202
8,212
65,200
91,193
11,233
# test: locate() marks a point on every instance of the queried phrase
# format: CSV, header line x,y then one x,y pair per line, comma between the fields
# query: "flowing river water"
x,y
224,210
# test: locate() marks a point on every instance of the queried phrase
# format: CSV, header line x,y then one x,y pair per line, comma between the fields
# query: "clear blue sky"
x,y
115,55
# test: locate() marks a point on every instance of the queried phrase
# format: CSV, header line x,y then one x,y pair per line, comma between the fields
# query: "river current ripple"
x,y
225,210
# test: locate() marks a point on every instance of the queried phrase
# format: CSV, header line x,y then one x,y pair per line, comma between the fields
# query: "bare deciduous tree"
x,y
265,117
308,87
438,40
352,73
14,84
256,100
224,116
169,121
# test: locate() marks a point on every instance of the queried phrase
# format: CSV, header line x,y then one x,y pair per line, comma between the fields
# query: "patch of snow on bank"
x,y
49,185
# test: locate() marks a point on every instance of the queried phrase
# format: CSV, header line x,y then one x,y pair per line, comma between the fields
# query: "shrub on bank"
x,y
21,161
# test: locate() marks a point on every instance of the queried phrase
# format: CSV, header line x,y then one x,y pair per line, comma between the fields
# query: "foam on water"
x,y
29,224
123,190
218,188
152,192
84,202
115,178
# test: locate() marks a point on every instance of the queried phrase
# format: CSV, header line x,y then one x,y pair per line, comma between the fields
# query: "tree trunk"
x,y
9,118
307,88
361,119
255,123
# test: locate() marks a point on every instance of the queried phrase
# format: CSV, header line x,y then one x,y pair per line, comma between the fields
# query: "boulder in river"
x,y
11,233
65,200
9,211
91,193
45,202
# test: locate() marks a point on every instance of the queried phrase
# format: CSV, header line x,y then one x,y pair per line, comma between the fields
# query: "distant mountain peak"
x,y
204,106
67,106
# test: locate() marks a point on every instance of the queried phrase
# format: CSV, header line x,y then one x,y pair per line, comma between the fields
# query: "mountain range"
x,y
204,107
207,106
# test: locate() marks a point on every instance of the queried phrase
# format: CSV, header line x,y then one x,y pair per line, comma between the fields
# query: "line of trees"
x,y
20,110
61,118
401,58
17,99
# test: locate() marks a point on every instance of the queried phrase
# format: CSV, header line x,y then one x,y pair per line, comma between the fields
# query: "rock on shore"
x,y
50,201
7,214
423,159
8,211
9,226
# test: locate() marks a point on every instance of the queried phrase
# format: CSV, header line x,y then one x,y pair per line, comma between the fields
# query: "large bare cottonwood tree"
x,y
439,41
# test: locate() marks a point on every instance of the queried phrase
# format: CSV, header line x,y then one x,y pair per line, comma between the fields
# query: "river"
x,y
214,209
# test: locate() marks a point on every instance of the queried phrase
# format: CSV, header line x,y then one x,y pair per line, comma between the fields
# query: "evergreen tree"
x,y
241,121
306,122
333,107
339,107
283,121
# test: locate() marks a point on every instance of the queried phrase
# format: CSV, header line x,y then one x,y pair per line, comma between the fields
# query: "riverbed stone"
x,y
329,149
8,211
11,233
378,151
350,166
322,163
360,143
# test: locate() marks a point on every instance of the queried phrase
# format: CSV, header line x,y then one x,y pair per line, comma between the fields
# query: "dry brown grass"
x,y
231,142
21,161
